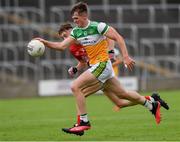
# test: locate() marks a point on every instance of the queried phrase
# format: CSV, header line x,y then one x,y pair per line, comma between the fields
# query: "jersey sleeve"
x,y
72,34
102,28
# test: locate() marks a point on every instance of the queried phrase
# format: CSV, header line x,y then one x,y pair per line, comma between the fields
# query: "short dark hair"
x,y
80,7
64,27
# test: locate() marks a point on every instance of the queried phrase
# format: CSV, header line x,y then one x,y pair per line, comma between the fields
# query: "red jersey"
x,y
78,52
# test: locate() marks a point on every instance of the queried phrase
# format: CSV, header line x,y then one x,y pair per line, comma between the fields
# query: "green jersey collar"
x,y
86,26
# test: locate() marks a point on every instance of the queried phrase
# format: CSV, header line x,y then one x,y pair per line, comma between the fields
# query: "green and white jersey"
x,y
93,39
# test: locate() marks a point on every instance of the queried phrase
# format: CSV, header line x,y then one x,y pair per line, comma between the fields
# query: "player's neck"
x,y
85,24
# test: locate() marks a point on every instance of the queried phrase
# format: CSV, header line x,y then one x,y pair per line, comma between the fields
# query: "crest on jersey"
x,y
85,33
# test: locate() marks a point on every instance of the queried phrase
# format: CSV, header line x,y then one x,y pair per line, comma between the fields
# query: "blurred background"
x,y
151,29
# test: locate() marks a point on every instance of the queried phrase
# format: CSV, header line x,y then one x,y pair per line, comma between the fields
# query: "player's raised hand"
x,y
129,62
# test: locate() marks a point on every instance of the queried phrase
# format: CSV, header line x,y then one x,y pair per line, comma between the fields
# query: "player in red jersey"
x,y
75,49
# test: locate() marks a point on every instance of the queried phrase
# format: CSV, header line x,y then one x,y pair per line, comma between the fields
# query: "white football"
x,y
35,48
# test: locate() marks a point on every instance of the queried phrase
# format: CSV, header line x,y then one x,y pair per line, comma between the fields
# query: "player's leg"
x,y
114,86
92,88
119,103
100,71
87,91
77,86
104,72
83,80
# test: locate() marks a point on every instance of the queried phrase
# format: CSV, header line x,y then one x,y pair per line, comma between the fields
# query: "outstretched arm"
x,y
111,44
114,35
57,45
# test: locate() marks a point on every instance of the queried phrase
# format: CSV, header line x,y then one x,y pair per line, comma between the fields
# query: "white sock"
x,y
148,104
84,117
152,99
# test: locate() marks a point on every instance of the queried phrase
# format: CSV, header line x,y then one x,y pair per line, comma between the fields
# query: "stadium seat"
x,y
150,32
27,70
93,2
109,16
170,15
174,32
131,15
121,2
150,2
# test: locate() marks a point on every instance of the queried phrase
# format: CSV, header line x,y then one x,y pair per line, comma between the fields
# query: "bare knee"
x,y
74,88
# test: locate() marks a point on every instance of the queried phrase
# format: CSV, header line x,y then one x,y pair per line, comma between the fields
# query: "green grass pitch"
x,y
41,119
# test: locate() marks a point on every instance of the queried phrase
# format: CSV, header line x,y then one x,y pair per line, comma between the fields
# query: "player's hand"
x,y
112,55
72,71
40,39
129,62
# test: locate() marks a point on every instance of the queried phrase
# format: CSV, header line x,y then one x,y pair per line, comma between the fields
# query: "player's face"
x,y
65,34
79,19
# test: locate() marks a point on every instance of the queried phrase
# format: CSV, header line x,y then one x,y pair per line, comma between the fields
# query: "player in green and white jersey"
x,y
92,36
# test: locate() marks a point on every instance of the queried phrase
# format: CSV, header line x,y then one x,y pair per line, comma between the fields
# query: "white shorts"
x,y
102,71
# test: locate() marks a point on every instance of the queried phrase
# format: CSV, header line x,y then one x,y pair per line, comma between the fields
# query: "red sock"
x,y
148,98
78,119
